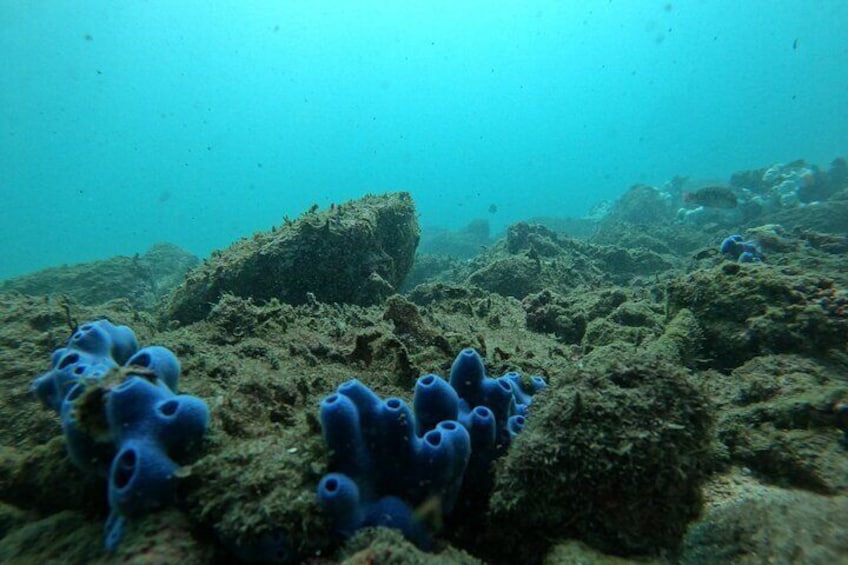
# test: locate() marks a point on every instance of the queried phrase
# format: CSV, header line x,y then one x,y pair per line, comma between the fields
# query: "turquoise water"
x,y
197,122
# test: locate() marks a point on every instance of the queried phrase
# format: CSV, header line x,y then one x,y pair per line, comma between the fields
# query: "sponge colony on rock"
x,y
121,416
388,459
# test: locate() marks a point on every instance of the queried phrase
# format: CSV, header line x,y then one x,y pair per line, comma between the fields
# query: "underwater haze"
x,y
195,122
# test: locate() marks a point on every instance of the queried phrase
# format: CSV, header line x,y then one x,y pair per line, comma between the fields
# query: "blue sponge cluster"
x,y
122,417
743,251
388,460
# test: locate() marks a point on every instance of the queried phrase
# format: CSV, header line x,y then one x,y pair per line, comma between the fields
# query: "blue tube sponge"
x,y
435,400
394,453
128,427
338,495
343,435
141,478
467,375
743,251
388,460
160,361
89,453
138,408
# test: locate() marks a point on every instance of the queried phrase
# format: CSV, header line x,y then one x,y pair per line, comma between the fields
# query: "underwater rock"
x,y
779,417
258,496
142,279
531,258
747,310
515,276
827,217
464,243
358,253
776,526
642,204
616,459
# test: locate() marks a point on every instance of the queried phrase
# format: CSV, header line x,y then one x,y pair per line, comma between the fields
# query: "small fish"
x,y
711,197
795,44
493,208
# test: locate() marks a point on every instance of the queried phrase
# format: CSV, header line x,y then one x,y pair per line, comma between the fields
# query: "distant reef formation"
x,y
532,257
356,253
142,279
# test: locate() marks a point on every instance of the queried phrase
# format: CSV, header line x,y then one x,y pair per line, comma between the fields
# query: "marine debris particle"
x,y
711,197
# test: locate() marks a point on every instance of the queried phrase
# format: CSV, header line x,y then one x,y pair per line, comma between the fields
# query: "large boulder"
x,y
615,459
357,253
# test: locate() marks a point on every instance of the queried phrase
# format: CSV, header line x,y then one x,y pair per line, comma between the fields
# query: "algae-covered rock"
x,y
615,459
573,552
259,490
70,537
776,418
680,341
357,253
753,309
643,204
533,258
141,279
388,547
515,276
828,217
777,526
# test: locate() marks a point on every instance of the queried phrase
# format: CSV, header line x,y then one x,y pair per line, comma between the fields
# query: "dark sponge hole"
x,y
427,380
331,484
448,425
169,407
76,391
142,360
333,398
81,331
69,359
393,403
434,438
125,468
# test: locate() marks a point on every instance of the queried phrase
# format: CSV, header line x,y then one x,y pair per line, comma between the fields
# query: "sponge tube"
x,y
141,478
435,400
161,361
338,495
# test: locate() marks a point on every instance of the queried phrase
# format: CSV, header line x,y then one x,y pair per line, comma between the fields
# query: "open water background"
x,y
197,122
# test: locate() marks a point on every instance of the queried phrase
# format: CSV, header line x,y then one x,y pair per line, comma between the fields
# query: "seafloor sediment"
x,y
691,414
